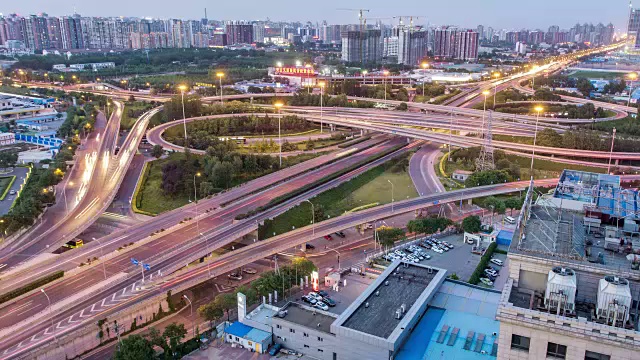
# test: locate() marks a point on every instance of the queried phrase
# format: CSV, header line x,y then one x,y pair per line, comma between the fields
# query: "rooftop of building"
x,y
247,332
460,308
263,313
553,232
307,316
376,314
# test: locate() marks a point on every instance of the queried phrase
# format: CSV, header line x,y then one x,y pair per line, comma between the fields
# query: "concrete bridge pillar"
x,y
617,162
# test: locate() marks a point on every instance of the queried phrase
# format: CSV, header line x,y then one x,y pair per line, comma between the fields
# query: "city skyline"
x,y
470,14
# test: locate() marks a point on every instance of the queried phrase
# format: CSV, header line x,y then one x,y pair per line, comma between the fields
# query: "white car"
x,y
497,262
438,250
322,306
427,257
486,281
315,296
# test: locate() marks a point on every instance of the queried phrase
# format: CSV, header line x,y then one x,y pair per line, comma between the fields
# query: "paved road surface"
x,y
422,171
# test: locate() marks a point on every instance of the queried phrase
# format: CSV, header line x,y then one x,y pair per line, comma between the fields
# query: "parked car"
x,y
235,276
340,234
250,270
490,272
322,306
310,247
486,281
309,299
275,349
323,293
329,301
328,237
497,262
315,296
438,250
427,256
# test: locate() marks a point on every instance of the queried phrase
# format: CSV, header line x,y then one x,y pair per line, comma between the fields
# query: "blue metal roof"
x,y
238,329
257,335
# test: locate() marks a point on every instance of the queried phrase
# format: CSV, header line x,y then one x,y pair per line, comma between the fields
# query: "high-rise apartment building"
x,y
412,45
239,32
362,46
258,32
330,34
455,43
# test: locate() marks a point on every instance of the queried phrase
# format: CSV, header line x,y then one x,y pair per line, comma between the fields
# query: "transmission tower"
x,y
485,160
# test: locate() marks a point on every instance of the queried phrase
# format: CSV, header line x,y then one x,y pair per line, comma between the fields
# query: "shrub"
x,y
484,261
31,286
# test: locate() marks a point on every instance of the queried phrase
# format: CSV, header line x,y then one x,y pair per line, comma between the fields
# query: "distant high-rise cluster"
x,y
43,32
586,33
454,43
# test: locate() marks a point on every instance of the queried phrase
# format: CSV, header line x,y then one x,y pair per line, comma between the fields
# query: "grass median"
x,y
371,187
31,286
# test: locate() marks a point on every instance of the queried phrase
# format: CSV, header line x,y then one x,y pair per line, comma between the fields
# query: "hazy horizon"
x,y
500,14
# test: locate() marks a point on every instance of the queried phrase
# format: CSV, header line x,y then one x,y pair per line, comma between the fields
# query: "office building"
x,y
362,46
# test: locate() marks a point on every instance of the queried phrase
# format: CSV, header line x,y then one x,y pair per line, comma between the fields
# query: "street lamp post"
x,y
220,75
385,73
50,315
424,67
184,117
195,198
364,76
321,83
484,111
535,138
313,218
193,326
495,89
104,269
613,139
392,198
278,107
632,77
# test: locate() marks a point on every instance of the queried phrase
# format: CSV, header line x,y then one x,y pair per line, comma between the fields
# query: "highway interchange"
x,y
84,295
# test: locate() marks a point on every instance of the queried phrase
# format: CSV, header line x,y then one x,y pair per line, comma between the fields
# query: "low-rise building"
x,y
461,175
247,337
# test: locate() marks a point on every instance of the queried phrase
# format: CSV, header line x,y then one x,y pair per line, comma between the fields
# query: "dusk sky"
x,y
469,13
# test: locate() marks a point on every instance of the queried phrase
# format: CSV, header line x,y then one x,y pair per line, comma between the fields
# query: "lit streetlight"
x,y
191,316
313,218
424,67
495,89
385,73
278,106
538,110
321,84
485,93
184,117
632,76
220,75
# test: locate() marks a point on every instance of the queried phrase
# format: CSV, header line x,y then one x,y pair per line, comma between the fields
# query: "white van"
x,y
510,220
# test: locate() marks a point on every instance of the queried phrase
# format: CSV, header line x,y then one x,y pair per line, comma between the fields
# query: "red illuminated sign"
x,y
295,71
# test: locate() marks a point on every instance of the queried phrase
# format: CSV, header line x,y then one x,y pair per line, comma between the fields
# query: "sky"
x,y
507,14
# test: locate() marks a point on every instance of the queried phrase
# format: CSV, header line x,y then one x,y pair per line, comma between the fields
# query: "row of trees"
x,y
220,168
585,139
206,133
302,98
430,225
140,347
287,277
193,107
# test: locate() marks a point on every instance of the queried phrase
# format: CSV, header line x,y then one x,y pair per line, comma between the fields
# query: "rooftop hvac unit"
x,y
614,299
560,293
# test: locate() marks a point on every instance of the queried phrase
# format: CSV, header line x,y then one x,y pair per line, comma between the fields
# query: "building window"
x,y
590,355
237,338
520,342
320,350
556,351
305,345
292,331
319,339
249,343
305,334
278,326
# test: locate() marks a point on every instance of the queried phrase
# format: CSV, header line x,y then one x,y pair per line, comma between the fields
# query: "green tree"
x,y
513,203
134,347
402,107
549,137
584,86
210,312
157,151
226,302
174,333
472,224
388,236
7,159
